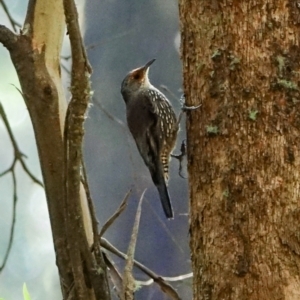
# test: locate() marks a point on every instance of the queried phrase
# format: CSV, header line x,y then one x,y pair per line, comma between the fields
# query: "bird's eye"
x,y
136,76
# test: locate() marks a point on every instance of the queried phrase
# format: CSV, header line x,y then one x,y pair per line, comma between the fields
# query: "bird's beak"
x,y
149,63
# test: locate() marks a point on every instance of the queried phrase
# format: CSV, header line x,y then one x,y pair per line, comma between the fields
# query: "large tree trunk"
x,y
241,61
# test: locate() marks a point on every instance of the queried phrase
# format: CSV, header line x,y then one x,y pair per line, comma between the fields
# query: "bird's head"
x,y
136,79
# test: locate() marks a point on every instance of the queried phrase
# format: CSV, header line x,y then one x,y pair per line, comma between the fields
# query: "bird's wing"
x,y
144,126
161,107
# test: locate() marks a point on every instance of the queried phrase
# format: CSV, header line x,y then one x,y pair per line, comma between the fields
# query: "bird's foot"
x,y
185,107
180,157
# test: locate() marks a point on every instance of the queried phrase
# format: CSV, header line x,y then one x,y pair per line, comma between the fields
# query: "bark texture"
x,y
241,60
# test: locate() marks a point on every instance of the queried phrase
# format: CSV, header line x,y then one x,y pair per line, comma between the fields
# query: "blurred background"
x,y
119,36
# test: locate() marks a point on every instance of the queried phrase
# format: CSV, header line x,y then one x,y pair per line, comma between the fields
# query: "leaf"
x,y
26,293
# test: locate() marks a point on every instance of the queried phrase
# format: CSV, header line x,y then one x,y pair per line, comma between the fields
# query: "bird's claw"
x,y
184,107
180,157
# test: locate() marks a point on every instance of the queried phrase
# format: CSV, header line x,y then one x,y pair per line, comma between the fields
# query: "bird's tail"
x,y
160,183
165,199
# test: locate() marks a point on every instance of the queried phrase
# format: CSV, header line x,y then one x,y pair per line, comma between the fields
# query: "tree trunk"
x,y
241,60
35,53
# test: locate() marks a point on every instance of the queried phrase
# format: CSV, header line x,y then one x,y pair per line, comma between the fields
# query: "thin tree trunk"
x,y
35,53
241,60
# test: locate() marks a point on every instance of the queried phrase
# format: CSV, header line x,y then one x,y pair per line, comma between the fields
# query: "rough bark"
x,y
89,282
241,61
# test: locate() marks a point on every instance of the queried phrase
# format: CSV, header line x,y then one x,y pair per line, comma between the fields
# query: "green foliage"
x,y
26,293
200,67
212,129
216,54
253,115
234,62
290,85
281,63
226,193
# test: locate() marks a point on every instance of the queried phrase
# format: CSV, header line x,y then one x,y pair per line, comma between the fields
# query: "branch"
x,y
99,259
18,154
12,228
128,280
161,281
18,157
98,104
116,214
114,274
8,38
78,52
13,23
73,137
35,56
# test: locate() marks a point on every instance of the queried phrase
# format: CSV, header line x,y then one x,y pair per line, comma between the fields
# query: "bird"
x,y
153,125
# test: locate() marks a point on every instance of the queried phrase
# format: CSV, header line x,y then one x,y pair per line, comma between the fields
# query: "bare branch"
x,y
73,137
13,23
35,57
99,105
128,280
114,274
161,281
113,37
116,214
7,37
66,69
99,259
18,154
90,201
12,228
166,89
18,157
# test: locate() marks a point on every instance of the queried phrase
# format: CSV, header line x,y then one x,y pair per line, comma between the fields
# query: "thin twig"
x,y
166,89
164,226
90,202
113,37
98,104
18,157
116,214
18,154
66,69
99,259
12,228
129,285
114,274
161,281
67,57
13,23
